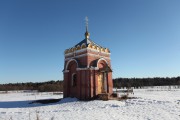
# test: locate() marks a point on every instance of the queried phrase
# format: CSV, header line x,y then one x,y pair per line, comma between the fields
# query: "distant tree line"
x,y
141,82
52,86
49,86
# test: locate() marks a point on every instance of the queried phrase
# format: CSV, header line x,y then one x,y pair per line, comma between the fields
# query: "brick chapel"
x,y
87,70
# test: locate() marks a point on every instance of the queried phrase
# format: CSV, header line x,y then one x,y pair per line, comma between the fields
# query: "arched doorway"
x,y
72,80
104,69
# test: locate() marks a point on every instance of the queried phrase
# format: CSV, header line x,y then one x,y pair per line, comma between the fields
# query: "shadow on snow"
x,y
35,103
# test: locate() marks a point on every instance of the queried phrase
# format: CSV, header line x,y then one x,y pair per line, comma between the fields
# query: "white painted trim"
x,y
84,49
81,50
91,49
77,51
82,68
102,59
68,54
94,50
86,54
92,68
66,71
70,61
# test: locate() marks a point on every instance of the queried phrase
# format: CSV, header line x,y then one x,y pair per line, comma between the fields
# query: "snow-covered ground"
x,y
151,104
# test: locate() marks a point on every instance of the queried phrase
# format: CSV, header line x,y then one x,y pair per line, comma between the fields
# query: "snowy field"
x,y
151,104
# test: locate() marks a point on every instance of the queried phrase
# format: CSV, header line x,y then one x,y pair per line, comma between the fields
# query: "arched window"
x,y
74,79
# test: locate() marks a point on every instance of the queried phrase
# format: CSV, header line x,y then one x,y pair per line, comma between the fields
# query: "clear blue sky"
x,y
143,36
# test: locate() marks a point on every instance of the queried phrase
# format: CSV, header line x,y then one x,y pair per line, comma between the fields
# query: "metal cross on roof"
x,y
86,19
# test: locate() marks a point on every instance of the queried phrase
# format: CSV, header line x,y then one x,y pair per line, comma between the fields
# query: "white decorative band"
x,y
85,49
86,54
66,71
77,51
92,68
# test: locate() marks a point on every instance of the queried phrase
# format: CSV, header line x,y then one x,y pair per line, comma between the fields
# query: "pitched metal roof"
x,y
87,42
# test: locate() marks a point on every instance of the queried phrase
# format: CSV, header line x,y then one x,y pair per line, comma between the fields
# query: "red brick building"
x,y
87,70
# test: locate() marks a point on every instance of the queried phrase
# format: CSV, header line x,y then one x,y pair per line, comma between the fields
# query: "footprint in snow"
x,y
3,112
18,112
140,101
114,105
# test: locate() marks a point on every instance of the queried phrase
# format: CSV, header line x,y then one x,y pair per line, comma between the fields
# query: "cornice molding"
x,y
86,49
87,54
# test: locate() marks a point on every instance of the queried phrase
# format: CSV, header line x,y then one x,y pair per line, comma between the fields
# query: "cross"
x,y
86,19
